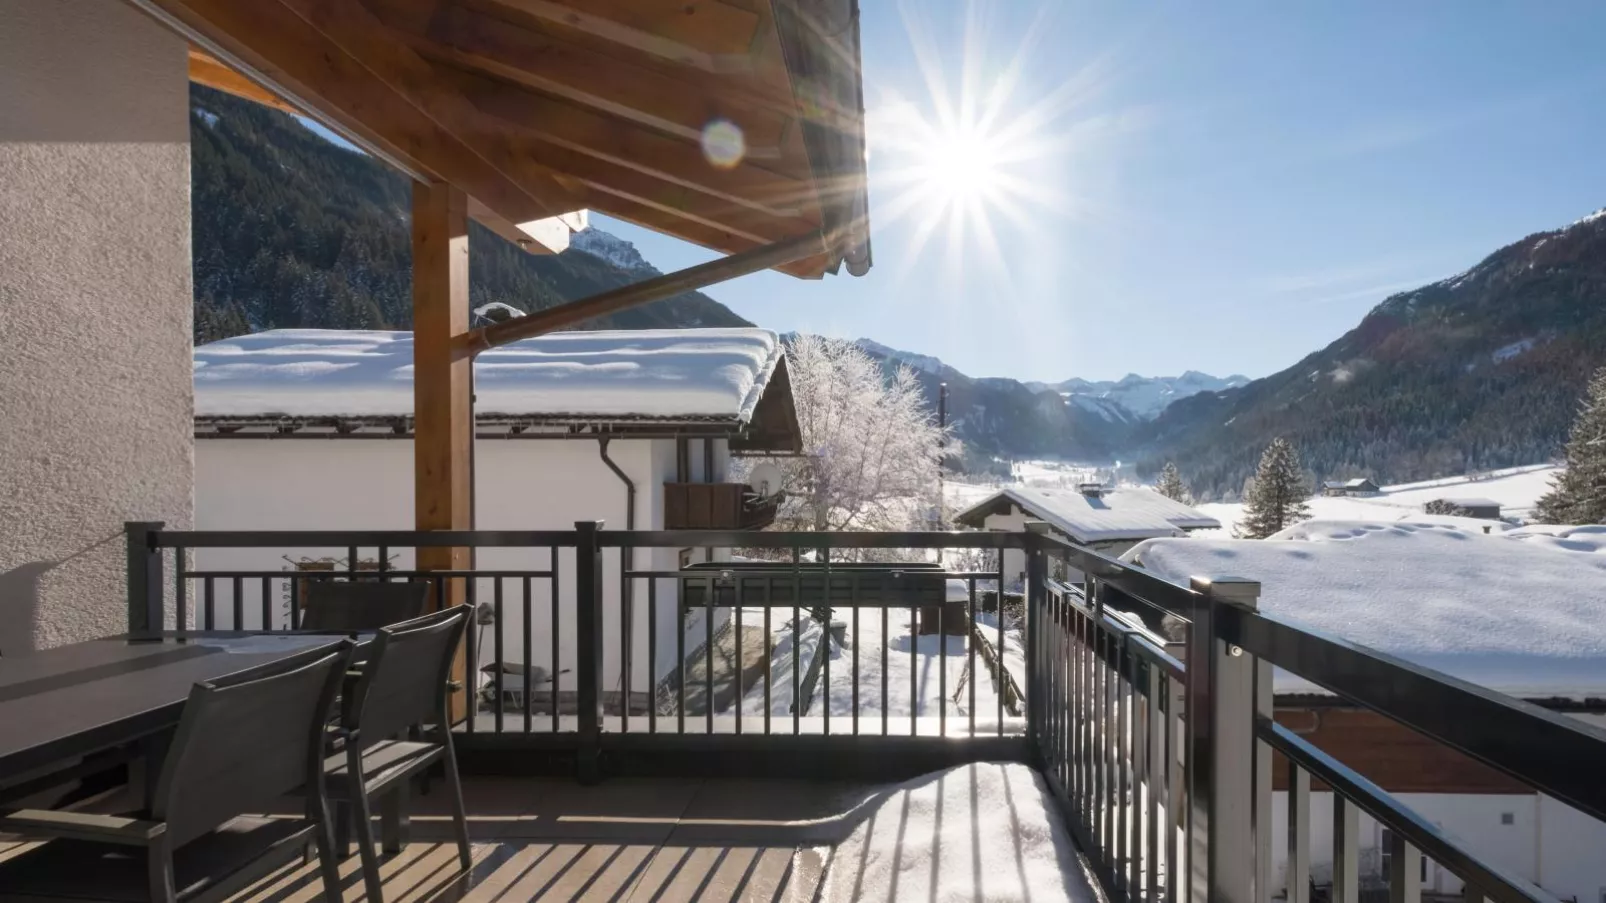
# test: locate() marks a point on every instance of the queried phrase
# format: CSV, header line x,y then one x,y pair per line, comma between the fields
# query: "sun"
x,y
961,167
975,152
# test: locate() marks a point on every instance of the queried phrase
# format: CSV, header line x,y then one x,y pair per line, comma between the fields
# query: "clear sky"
x,y
1214,186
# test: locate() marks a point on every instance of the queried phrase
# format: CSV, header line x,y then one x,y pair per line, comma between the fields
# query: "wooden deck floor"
x,y
625,840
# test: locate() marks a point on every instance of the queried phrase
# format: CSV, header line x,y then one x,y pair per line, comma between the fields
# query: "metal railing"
x,y
1148,705
594,641
1153,717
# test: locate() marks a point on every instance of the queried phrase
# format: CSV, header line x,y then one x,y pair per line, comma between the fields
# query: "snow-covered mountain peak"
x,y
611,248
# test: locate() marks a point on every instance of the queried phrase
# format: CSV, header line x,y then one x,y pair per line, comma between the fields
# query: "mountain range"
x,y
1482,370
1478,371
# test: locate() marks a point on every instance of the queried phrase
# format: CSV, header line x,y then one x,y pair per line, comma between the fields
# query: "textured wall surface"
x,y
95,308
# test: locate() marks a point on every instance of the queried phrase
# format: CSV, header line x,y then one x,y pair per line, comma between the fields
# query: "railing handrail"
x,y
1427,837
756,539
1553,753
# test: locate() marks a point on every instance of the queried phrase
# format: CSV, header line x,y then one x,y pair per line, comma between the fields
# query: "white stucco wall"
x,y
95,308
295,484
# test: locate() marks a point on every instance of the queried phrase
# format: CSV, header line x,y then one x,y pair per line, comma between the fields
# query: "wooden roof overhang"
x,y
539,108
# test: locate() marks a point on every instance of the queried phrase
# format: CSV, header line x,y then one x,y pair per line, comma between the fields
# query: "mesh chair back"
x,y
404,681
350,605
247,740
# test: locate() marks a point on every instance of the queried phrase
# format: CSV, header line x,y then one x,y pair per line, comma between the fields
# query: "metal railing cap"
x,y
1240,591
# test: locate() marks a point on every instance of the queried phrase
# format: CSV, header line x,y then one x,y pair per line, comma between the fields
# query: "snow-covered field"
x,y
1516,489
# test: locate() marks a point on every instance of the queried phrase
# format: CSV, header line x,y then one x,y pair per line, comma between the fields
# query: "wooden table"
x,y
73,701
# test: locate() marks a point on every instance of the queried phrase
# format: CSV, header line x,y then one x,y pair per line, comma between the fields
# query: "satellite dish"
x,y
765,479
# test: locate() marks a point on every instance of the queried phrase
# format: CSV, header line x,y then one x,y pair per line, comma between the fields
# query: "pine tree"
x,y
1578,494
1277,498
1171,487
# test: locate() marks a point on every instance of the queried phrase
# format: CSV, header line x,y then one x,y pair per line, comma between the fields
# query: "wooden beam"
x,y
543,236
644,292
443,407
513,151
319,75
206,70
442,417
709,35
366,39
635,147
633,91
597,56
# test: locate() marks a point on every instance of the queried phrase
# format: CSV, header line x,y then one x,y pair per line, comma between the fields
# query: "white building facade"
x,y
272,453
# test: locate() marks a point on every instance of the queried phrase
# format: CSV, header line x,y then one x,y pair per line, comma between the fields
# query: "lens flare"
x,y
723,143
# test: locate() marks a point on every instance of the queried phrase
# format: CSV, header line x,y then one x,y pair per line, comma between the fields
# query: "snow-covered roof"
x,y
704,374
1523,613
1113,514
1469,501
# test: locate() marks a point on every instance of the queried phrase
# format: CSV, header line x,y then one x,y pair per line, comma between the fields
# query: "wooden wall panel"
x,y
1393,756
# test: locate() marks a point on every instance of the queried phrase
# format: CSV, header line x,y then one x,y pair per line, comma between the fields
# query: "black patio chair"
x,y
396,726
243,743
347,605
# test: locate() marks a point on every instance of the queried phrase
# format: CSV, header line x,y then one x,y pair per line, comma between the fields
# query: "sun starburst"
x,y
974,154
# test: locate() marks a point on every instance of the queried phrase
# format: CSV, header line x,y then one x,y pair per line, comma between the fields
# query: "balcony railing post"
x,y
1226,789
588,648
1036,605
146,613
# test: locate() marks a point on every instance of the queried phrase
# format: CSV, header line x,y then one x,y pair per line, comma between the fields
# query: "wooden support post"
x,y
443,409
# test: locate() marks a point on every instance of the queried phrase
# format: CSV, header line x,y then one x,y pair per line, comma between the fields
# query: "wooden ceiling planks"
x,y
536,107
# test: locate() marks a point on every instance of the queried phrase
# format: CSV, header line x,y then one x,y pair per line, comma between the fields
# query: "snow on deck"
x,y
985,831
1523,613
704,373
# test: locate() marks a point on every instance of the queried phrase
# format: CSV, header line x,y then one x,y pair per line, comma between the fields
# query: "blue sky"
x,y
1213,186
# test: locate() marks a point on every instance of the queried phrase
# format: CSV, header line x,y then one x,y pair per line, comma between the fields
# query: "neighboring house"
x,y
298,427
1358,486
1516,614
1108,520
1488,509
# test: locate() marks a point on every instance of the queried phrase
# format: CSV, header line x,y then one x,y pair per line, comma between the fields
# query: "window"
x,y
685,558
1508,818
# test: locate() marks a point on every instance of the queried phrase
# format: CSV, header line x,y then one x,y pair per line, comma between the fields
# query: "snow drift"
x,y
1522,612
985,831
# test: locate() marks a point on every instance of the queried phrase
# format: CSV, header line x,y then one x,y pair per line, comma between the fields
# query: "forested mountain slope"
x,y
1478,371
291,230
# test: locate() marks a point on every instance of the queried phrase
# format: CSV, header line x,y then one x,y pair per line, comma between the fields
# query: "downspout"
x,y
628,563
630,487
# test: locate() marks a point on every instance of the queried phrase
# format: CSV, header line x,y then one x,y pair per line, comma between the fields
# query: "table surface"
x,y
78,699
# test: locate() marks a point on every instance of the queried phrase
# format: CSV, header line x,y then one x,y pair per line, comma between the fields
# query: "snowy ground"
x,y
922,675
1516,489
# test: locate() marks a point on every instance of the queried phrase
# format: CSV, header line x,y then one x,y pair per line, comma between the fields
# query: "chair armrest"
x,y
83,826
